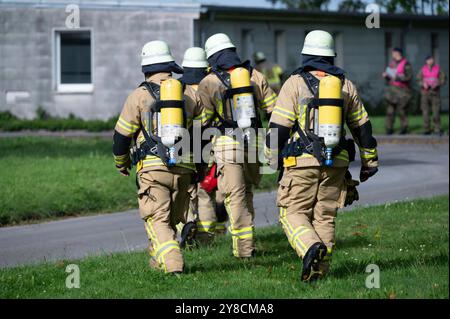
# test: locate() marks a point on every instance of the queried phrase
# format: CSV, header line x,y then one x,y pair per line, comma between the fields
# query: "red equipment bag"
x,y
209,183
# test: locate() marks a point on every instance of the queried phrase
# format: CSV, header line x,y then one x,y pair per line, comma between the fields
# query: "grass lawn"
x,y
415,124
52,177
43,177
408,241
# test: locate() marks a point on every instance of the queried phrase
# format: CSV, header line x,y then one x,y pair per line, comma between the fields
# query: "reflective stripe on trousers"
x,y
159,250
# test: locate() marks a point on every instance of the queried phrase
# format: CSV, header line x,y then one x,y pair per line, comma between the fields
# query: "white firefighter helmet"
x,y
216,43
259,56
319,43
195,57
155,52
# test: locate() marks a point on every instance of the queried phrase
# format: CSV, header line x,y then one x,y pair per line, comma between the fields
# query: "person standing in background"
x,y
273,72
399,93
430,80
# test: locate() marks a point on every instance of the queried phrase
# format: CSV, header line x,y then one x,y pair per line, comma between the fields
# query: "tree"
x,y
304,4
352,6
433,7
415,6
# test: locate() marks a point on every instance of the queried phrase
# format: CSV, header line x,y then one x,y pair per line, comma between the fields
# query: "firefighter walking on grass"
x,y
206,215
231,97
306,132
153,119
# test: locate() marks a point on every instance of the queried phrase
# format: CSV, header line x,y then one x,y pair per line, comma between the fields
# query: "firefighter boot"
x,y
188,234
311,261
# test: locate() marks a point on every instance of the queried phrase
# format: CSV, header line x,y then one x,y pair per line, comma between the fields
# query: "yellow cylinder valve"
x,y
243,103
330,116
171,119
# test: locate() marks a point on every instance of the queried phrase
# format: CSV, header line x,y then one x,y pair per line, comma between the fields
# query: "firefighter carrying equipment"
x,y
216,43
209,182
168,111
241,97
324,138
319,43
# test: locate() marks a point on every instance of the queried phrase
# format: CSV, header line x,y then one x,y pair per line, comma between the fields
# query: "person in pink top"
x,y
430,79
398,93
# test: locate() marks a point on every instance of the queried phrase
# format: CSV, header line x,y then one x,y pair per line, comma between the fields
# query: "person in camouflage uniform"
x,y
430,79
399,93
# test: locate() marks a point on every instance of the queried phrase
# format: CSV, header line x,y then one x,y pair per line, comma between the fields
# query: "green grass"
x,y
9,122
415,124
43,178
408,241
53,177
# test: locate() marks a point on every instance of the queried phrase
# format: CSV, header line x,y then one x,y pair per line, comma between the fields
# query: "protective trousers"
x,y
308,198
397,101
236,181
192,214
431,100
208,222
163,198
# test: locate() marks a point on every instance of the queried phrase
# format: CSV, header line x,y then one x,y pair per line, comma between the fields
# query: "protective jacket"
x,y
290,110
134,117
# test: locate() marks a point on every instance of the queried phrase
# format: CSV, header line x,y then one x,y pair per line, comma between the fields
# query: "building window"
x,y
247,44
339,48
387,47
435,46
280,48
73,61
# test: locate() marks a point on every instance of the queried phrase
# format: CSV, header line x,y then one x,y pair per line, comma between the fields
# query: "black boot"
x,y
404,131
311,262
188,234
389,131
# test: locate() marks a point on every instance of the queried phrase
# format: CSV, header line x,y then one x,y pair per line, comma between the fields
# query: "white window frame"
x,y
72,87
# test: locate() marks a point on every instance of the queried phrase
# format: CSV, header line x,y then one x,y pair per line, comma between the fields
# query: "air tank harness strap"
x,y
149,147
226,125
152,144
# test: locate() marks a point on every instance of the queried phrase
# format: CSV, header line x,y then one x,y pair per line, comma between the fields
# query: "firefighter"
x,y
313,184
163,178
273,72
205,217
231,97
430,79
398,94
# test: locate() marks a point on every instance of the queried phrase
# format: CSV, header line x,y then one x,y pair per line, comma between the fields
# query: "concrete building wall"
x,y
27,56
361,51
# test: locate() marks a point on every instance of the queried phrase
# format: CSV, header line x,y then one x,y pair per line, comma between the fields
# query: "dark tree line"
x,y
433,7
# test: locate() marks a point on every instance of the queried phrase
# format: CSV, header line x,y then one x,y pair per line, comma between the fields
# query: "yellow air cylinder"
x,y
171,117
243,103
330,116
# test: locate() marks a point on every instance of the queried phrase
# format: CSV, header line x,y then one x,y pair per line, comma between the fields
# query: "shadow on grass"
x,y
352,242
350,268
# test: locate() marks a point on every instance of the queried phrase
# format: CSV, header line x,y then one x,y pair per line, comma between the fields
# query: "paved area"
x,y
407,171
